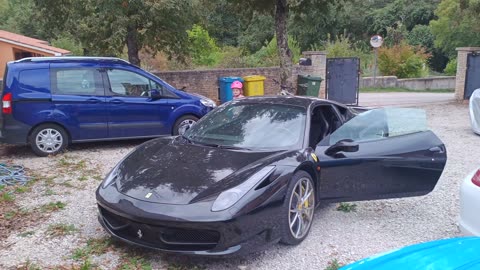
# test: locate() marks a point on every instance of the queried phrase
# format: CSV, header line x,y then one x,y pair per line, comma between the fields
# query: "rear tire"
x,y
183,123
297,217
48,139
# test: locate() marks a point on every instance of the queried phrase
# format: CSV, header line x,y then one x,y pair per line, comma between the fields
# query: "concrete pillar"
x,y
317,69
462,54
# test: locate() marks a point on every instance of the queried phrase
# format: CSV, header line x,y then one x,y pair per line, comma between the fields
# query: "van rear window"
x,y
36,80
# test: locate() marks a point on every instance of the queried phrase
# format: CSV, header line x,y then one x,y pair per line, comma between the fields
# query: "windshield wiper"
x,y
232,147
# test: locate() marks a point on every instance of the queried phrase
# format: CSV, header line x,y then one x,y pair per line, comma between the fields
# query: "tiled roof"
x,y
30,42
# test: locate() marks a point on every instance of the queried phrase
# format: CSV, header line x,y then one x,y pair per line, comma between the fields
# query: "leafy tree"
x,y
203,49
20,16
458,25
68,43
421,36
106,27
259,30
280,10
408,13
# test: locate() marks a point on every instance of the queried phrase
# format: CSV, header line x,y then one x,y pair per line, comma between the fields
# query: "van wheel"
x,y
48,139
183,124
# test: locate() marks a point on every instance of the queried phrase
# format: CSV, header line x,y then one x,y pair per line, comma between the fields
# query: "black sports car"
x,y
252,171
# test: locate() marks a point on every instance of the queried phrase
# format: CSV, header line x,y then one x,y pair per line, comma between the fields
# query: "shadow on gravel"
x,y
15,151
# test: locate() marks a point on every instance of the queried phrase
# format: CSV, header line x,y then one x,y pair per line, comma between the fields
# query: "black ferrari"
x,y
252,172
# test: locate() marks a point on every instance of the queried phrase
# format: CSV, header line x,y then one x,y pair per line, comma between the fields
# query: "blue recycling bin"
x,y
225,92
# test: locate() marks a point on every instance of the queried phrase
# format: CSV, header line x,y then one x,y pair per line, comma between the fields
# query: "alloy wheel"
x,y
301,208
185,125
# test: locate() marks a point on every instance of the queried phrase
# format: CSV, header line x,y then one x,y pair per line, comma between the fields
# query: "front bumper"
x,y
176,229
469,202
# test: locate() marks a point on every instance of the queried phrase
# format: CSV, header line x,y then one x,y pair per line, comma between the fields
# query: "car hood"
x,y
454,253
170,171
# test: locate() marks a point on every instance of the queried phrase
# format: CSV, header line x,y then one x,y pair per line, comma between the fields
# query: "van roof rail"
x,y
71,58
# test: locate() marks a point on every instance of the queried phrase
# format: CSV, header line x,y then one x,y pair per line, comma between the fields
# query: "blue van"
x,y
49,102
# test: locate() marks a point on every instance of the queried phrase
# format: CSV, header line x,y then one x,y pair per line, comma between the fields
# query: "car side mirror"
x,y
346,145
154,94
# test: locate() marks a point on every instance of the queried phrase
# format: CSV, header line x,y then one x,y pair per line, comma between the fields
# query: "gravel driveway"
x,y
375,226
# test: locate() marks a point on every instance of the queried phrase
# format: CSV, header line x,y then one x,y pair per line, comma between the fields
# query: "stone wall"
x,y
205,82
437,82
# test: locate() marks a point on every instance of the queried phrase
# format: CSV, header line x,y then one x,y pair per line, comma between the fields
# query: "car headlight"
x,y
229,197
112,175
208,102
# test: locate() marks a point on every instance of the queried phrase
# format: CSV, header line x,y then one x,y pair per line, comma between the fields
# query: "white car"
x,y
470,204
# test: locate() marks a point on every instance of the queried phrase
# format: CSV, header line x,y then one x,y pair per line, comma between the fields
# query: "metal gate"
x,y
472,80
343,75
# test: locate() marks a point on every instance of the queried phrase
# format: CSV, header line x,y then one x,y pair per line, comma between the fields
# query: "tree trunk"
x,y
132,45
281,16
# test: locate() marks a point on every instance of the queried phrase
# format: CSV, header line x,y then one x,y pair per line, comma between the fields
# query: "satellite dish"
x,y
376,41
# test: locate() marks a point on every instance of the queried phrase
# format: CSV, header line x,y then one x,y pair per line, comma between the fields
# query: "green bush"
x,y
233,57
267,56
343,47
203,49
451,68
403,61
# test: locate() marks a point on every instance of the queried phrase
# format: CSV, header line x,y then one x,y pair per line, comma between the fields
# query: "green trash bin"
x,y
308,85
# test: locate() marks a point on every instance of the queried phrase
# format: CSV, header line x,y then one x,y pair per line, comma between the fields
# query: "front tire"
x,y
48,139
298,209
183,124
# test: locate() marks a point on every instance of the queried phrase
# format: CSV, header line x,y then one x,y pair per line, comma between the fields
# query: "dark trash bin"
x,y
308,85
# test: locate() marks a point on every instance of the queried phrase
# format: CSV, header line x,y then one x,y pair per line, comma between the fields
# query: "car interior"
x,y
324,121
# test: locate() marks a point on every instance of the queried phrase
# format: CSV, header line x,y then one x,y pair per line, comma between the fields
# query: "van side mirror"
x,y
346,145
154,94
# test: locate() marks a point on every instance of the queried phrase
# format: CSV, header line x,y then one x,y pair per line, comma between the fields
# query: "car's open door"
x,y
381,153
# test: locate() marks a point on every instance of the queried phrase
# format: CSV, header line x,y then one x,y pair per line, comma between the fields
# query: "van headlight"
x,y
228,198
208,102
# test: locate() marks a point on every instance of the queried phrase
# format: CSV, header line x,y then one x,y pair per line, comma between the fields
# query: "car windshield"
x,y
251,126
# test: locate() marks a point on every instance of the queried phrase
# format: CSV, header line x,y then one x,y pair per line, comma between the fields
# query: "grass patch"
x,y
347,207
67,184
26,234
28,265
53,206
398,89
333,265
136,263
94,247
69,164
49,192
61,229
15,213
7,196
82,178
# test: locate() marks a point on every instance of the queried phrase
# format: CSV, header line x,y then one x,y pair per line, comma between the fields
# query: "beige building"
x,y
15,47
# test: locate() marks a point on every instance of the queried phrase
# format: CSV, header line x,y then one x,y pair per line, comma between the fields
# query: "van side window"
x,y
77,82
126,83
